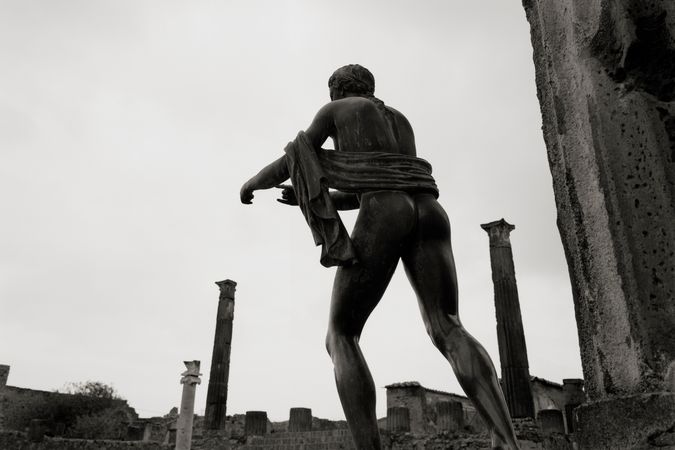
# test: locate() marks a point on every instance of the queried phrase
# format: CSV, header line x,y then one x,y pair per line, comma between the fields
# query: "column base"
x,y
641,421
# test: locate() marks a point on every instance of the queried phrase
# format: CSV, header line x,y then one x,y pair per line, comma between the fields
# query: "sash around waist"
x,y
359,172
312,172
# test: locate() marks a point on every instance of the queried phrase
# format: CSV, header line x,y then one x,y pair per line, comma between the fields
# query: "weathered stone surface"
x,y
216,396
14,440
411,396
605,75
638,421
510,333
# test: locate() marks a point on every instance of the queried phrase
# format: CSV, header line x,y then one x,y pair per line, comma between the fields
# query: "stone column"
x,y
216,397
510,335
605,73
450,416
4,374
398,419
255,423
189,381
300,419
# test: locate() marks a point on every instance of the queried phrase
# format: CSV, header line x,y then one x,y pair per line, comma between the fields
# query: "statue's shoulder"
x,y
349,105
399,116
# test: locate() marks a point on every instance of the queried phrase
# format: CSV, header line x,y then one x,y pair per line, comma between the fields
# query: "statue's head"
x,y
351,79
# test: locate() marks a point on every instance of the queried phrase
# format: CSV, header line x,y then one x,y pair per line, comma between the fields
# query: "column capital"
x,y
499,232
191,375
227,288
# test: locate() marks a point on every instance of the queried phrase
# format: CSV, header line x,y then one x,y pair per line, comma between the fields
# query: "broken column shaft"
x,y
216,397
189,381
511,338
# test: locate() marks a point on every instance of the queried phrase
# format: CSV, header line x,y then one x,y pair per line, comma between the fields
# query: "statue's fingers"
x,y
283,186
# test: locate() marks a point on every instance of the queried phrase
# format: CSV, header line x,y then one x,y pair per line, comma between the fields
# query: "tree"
x,y
95,389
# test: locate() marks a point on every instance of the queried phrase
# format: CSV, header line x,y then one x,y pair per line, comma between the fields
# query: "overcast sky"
x,y
127,128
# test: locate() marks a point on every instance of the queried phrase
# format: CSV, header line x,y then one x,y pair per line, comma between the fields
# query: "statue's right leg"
x,y
430,267
384,220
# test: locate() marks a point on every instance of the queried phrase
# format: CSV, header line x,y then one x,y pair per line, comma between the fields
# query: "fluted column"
x,y
398,419
510,335
216,397
300,419
605,72
255,423
189,381
450,416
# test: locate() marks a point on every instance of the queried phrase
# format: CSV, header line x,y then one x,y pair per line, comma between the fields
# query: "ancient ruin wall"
x,y
605,80
18,441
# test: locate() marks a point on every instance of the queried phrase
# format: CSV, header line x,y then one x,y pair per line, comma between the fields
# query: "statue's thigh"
x,y
430,265
383,224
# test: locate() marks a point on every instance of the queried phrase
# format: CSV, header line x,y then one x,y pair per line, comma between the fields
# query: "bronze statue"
x,y
374,168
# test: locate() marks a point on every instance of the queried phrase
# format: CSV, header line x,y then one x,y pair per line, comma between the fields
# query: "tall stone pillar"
x,y
189,381
605,74
216,396
510,335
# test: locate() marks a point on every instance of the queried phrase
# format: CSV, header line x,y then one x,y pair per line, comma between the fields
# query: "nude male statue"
x,y
397,220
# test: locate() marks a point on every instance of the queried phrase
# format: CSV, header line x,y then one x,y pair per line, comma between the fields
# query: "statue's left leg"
x,y
430,267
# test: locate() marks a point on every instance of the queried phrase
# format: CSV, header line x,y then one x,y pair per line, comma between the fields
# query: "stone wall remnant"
x,y
216,396
551,421
510,334
605,72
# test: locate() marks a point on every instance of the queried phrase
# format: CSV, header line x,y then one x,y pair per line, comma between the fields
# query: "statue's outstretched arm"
x,y
270,176
277,172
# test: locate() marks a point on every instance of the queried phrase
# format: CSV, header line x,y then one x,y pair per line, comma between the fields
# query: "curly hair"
x,y
353,78
356,79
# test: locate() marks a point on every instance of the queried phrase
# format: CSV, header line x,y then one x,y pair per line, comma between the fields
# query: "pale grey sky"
x,y
127,128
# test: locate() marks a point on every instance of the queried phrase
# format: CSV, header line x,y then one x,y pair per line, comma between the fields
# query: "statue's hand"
x,y
288,196
246,193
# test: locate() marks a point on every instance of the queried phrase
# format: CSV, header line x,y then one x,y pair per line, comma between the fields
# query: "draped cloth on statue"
x,y
313,172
